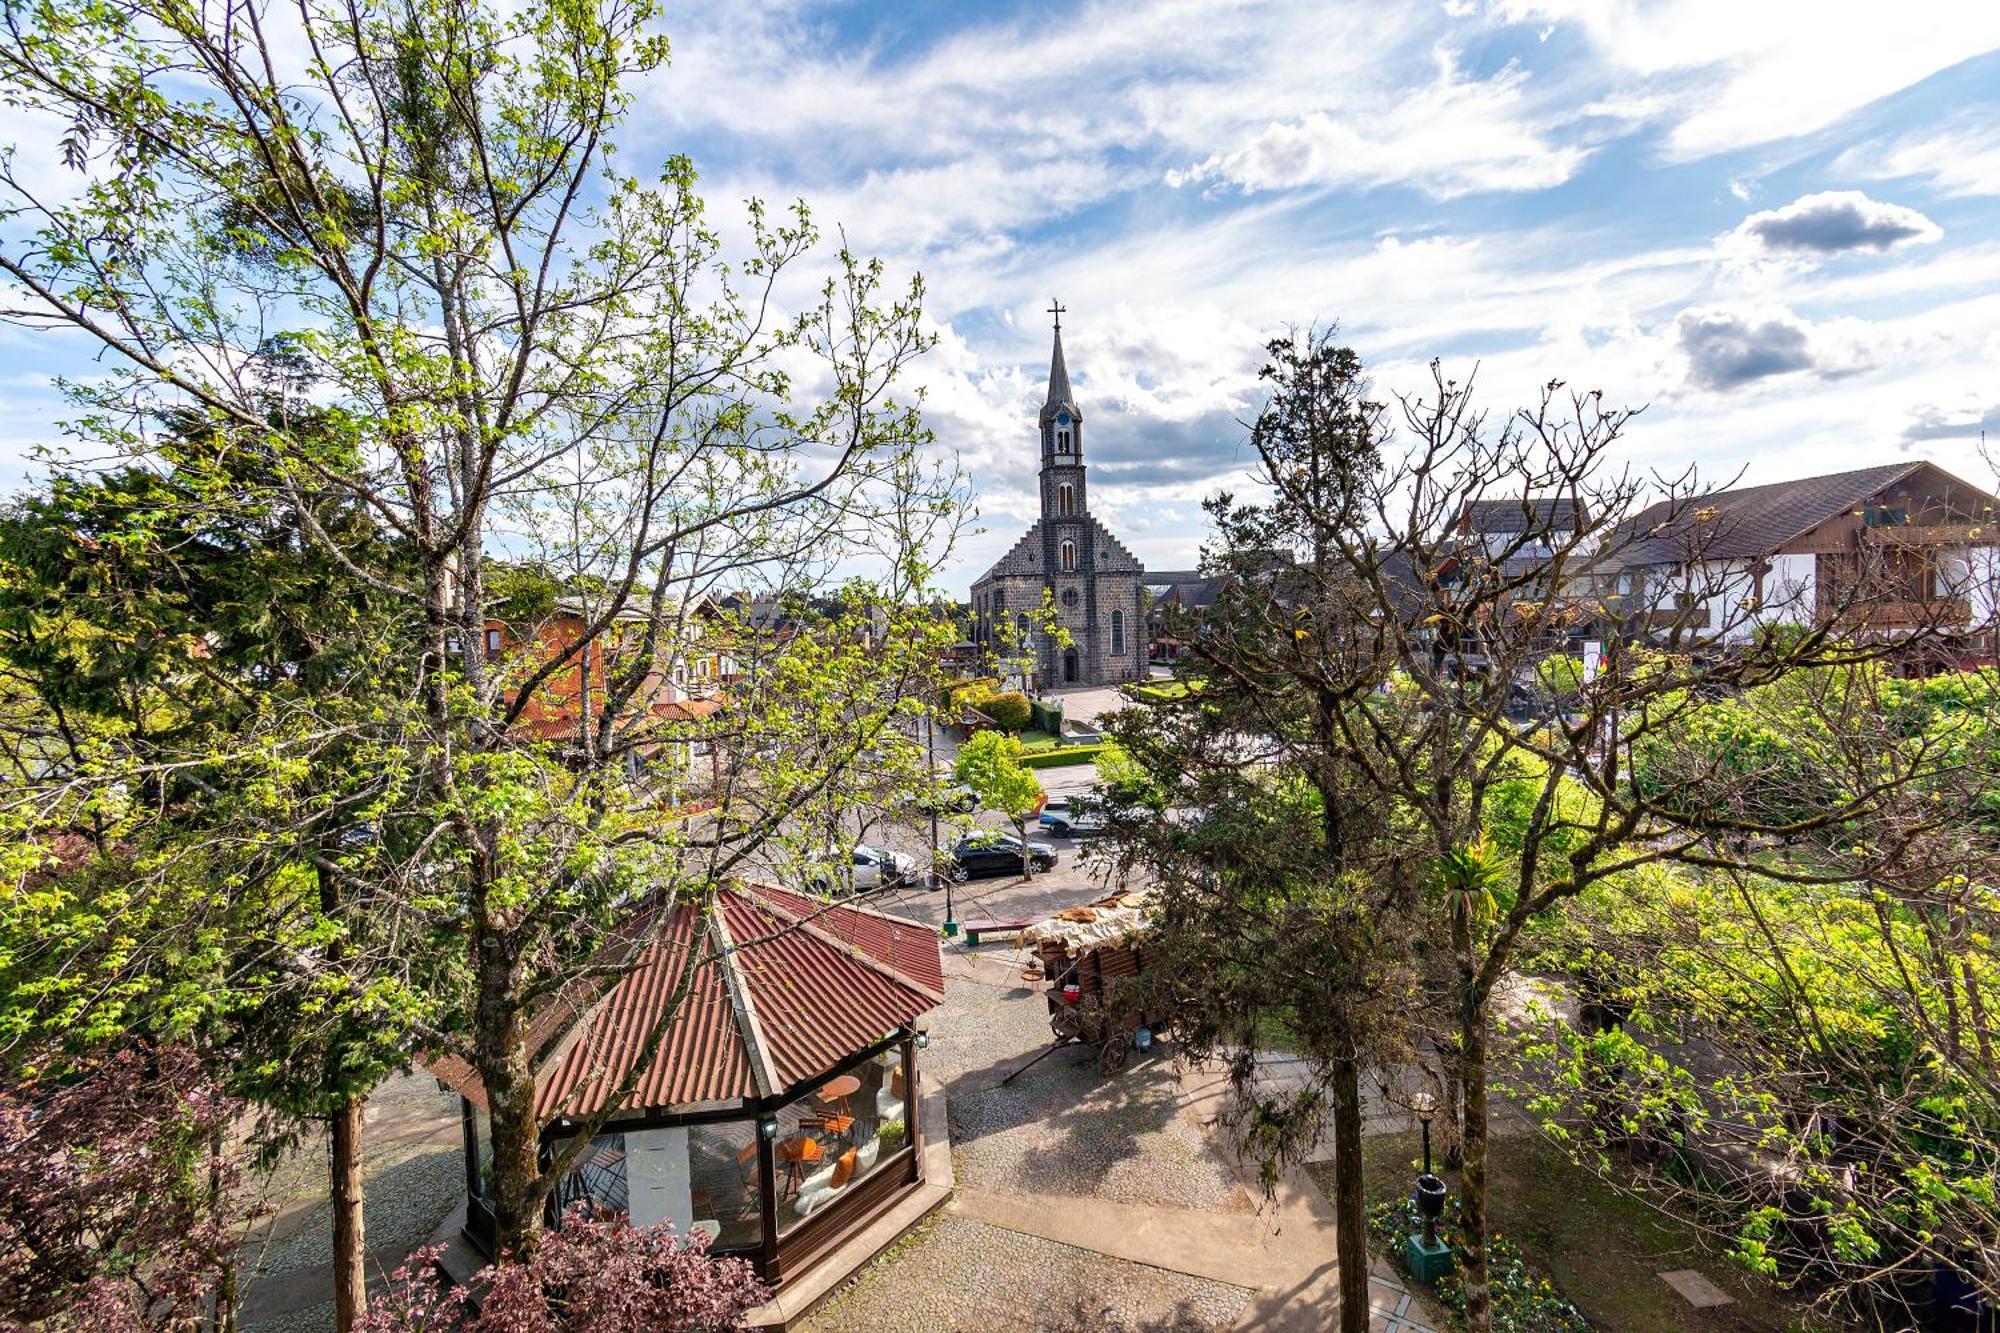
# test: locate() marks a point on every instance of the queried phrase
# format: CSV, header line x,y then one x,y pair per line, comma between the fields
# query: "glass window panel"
x,y
482,1153
691,1177
722,1180
598,1178
831,1140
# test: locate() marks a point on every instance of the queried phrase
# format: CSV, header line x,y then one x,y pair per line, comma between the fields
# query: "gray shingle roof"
x,y
1516,515
1751,521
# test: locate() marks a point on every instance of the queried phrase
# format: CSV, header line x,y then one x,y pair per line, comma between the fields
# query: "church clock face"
x,y
1062,418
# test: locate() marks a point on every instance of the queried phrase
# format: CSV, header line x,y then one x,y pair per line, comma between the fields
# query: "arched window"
x,y
1066,500
1021,630
1117,633
1068,555
1062,441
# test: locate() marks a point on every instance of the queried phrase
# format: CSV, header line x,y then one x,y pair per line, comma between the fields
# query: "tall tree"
x,y
154,621
522,351
1288,892
1478,611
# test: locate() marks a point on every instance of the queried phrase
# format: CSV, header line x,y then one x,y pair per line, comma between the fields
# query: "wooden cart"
x,y
1090,994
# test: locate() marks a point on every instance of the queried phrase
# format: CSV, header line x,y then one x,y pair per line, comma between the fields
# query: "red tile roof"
x,y
784,987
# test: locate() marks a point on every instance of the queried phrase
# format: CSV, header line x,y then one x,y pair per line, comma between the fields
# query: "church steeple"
x,y
1061,418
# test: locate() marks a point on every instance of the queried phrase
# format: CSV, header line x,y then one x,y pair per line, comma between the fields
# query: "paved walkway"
x,y
1091,1202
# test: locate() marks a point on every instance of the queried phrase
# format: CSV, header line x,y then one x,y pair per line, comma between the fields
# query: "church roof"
x,y
1024,559
1059,392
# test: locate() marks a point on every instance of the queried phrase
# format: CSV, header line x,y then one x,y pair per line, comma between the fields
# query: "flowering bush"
x,y
1523,1302
594,1275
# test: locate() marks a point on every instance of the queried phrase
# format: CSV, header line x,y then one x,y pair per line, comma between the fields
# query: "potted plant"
x,y
891,1137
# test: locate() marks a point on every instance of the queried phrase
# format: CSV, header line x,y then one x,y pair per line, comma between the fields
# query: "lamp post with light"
x,y
1429,1258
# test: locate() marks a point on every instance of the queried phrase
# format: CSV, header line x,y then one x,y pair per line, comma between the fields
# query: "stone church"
x,y
1087,574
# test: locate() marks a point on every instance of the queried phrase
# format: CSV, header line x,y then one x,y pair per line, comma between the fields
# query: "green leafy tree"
x,y
519,356
990,764
1799,1056
1455,618
1287,890
170,626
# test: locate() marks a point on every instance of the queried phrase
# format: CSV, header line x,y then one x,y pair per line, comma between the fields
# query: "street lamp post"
x,y
1425,1106
930,758
1429,1258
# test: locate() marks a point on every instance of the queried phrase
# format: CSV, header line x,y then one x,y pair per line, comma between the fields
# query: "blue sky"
x,y
1774,223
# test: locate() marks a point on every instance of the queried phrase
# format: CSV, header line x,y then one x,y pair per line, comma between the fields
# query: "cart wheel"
x,y
1066,1023
1113,1054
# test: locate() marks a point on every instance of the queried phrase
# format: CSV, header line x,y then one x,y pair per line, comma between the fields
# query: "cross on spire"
x,y
1057,308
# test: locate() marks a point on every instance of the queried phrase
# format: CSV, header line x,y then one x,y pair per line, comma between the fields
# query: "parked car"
x,y
957,799
1075,821
871,869
990,852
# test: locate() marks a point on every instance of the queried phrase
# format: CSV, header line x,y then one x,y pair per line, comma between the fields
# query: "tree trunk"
x,y
350,1270
225,1288
1472,1186
1349,1197
1451,1149
509,1080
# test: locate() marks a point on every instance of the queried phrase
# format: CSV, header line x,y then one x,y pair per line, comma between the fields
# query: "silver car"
x,y
870,868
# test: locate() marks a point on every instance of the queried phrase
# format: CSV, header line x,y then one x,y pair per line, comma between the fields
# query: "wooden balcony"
x,y
1938,612
1923,536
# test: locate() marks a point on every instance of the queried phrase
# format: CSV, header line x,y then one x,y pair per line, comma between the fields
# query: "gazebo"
x,y
778,1113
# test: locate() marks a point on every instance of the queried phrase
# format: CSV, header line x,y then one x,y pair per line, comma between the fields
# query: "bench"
x,y
974,929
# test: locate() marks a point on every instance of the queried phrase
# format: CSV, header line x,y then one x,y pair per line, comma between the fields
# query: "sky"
x,y
1774,224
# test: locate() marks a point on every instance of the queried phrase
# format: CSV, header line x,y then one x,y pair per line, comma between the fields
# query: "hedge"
x,y
1064,756
1046,717
1164,691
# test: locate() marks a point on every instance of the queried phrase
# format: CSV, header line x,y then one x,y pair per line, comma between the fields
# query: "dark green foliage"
x,y
1524,1301
1010,711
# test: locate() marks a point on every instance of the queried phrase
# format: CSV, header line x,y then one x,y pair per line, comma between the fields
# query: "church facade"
x,y
1068,561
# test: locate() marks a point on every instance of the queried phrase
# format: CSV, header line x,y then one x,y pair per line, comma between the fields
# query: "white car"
x,y
1074,821
871,868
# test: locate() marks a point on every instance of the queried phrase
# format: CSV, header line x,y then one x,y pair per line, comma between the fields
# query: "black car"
x,y
991,853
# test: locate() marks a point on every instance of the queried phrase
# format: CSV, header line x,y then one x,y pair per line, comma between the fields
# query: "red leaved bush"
x,y
599,1275
116,1212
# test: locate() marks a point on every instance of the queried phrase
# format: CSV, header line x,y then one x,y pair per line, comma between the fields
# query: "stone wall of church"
x,y
1101,658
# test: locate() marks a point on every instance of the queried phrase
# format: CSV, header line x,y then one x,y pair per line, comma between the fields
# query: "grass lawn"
x,y
1605,1251
1032,741
1160,691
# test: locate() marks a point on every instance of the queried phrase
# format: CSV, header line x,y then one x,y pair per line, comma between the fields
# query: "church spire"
x,y
1059,393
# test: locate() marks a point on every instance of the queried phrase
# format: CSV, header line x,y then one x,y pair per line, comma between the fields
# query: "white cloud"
x,y
1835,222
1448,138
1755,73
1961,161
